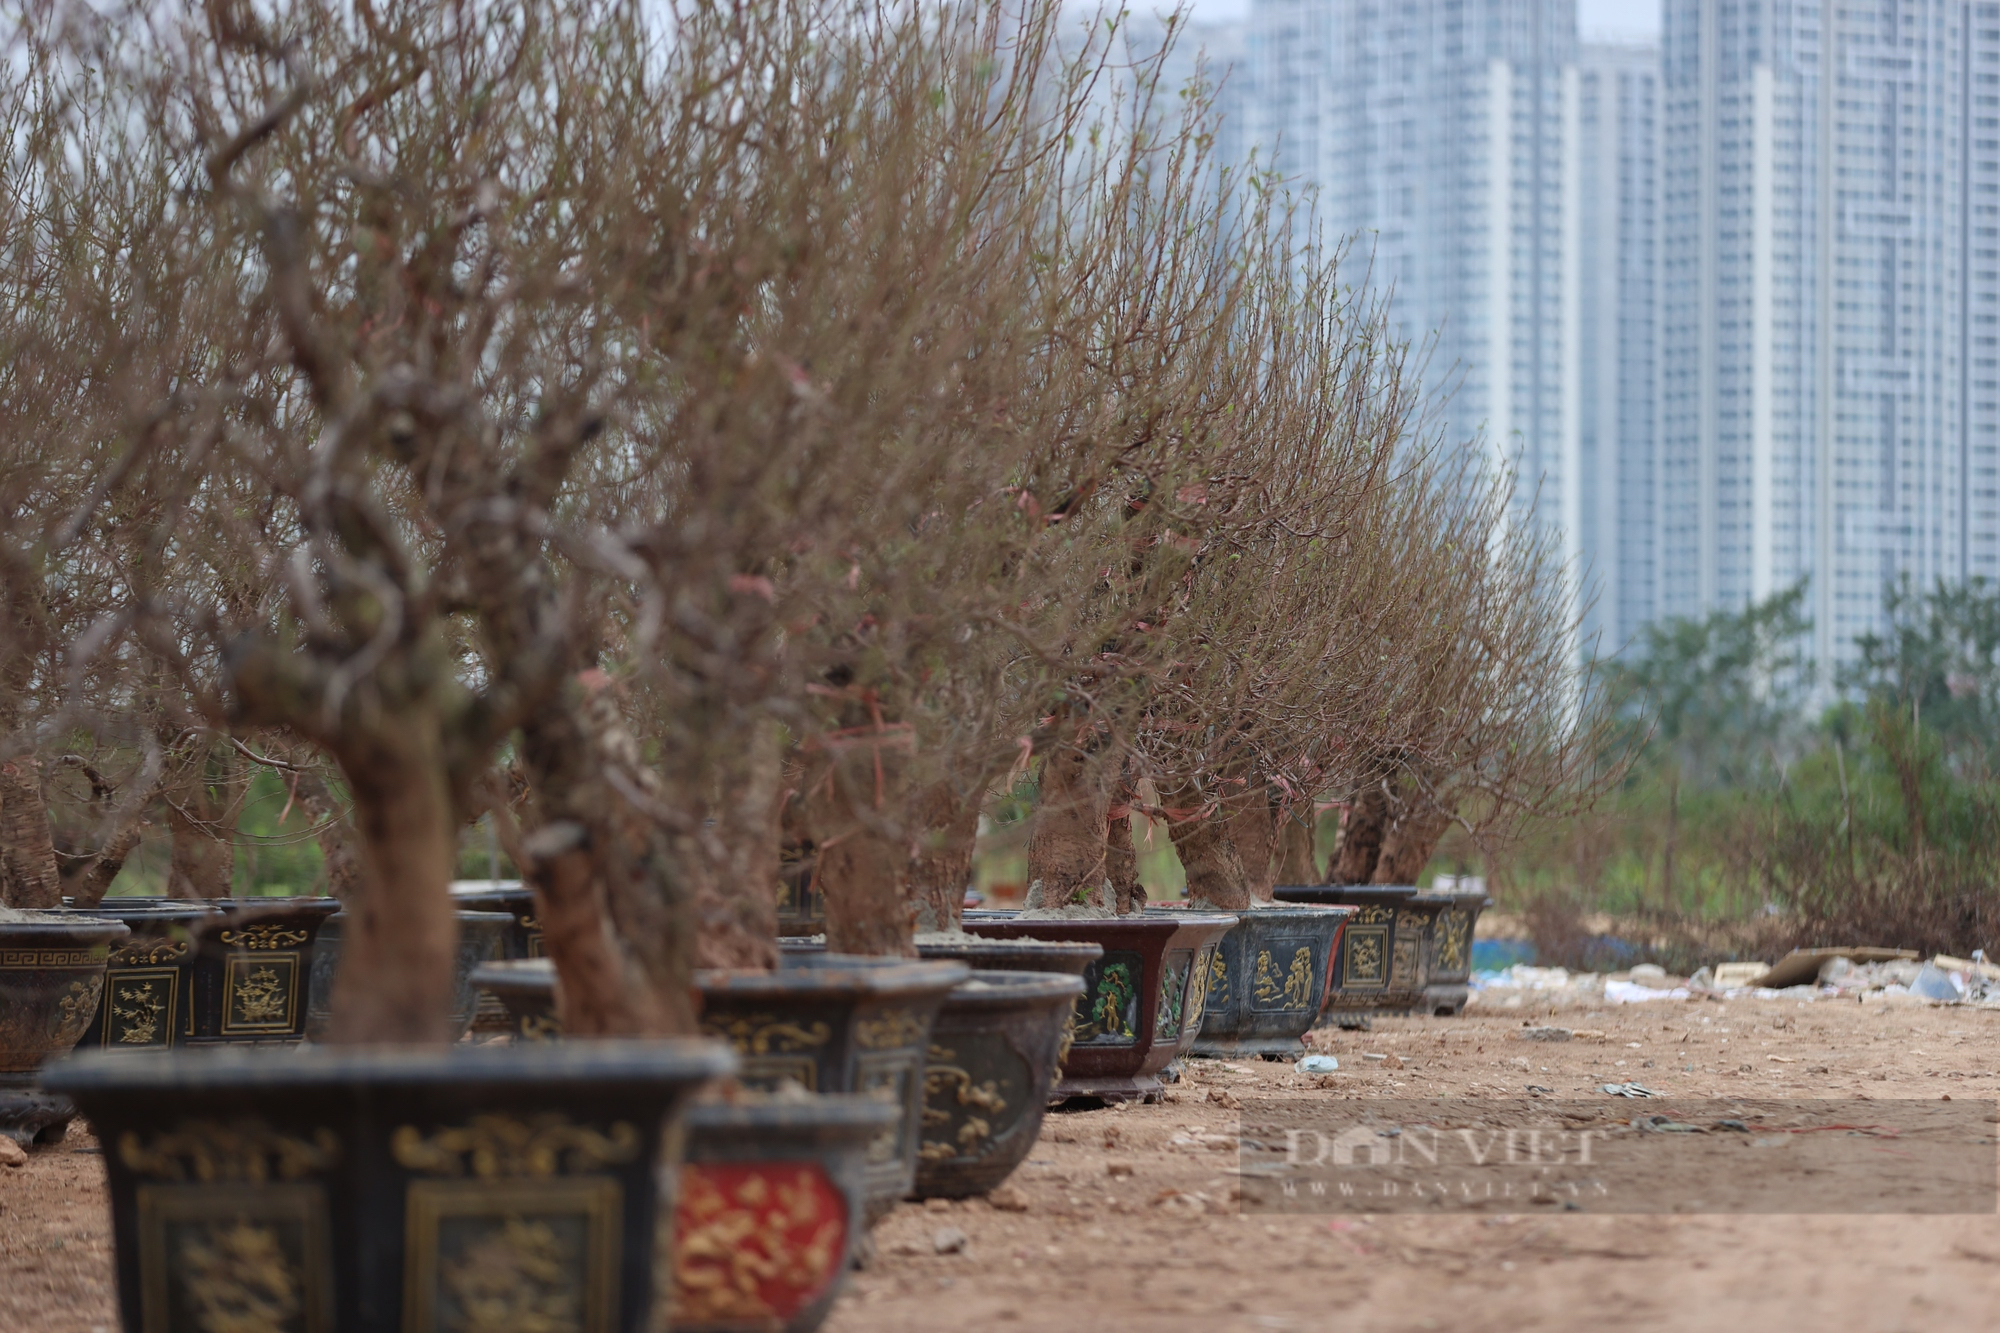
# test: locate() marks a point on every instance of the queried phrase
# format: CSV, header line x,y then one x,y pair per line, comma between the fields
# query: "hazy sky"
x,y
1613,19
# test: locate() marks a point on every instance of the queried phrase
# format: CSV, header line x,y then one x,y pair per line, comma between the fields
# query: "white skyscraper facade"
x,y
1618,144
1441,135
1830,303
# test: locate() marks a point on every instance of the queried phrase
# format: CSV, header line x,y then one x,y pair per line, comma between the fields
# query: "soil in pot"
x,y
482,938
995,1053
986,954
1143,998
369,1190
1267,980
51,981
772,1205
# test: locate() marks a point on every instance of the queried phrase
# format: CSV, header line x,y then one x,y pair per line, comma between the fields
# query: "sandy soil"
x,y
1134,1212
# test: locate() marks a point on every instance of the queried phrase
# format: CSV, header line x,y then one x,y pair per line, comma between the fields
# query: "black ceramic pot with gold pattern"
x,y
368,1190
1380,965
995,1053
51,979
1267,980
1448,950
838,1023
253,970
482,938
1143,999
149,981
510,896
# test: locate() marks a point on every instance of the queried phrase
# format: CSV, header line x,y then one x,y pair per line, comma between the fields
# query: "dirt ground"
x,y
1133,1213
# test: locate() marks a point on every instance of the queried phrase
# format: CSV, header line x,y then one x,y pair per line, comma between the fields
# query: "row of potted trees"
x,y
715,448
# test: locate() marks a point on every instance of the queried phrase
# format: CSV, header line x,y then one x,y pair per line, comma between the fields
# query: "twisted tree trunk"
x,y
859,776
737,856
1361,834
1407,848
29,877
1215,874
610,888
948,831
1295,862
1253,829
1068,852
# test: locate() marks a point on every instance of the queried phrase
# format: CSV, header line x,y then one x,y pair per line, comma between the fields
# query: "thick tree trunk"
x,y
198,808
1215,876
398,953
858,778
88,875
1407,848
1069,848
1253,830
87,880
738,855
1361,836
1295,862
610,887
948,829
29,877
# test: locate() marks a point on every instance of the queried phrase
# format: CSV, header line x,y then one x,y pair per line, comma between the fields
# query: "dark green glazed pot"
x,y
148,999
772,1205
482,937
389,1191
1267,980
1380,966
995,1053
1143,1000
51,981
1448,951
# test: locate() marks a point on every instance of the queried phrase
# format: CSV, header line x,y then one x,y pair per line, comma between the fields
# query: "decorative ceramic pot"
x,y
771,1208
1267,980
1448,951
1143,999
825,1022
51,979
512,897
1380,966
995,1052
149,982
526,991
252,969
482,937
838,1023
370,1190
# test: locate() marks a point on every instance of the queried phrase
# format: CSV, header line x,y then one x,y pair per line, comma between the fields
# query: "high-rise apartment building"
x,y
1440,135
1618,146
1830,292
